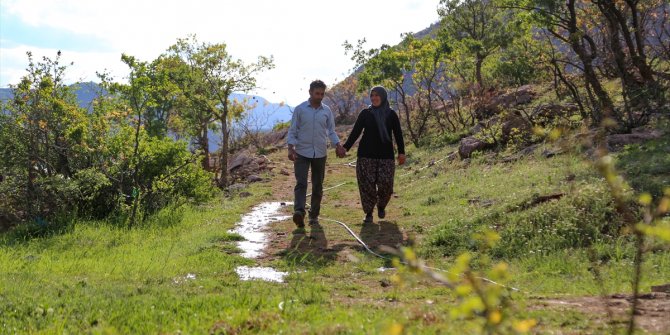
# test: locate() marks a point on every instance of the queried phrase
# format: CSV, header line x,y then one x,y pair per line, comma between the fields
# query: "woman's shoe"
x,y
381,212
368,218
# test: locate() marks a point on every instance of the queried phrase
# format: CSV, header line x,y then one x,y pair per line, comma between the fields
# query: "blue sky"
x,y
304,37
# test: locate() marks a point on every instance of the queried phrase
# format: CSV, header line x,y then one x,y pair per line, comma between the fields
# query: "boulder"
x,y
616,142
515,124
521,96
471,144
241,159
275,138
262,161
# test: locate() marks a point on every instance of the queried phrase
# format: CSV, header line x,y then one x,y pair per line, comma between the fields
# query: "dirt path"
x,y
328,241
653,313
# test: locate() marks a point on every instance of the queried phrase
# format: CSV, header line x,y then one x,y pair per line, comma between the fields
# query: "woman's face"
x,y
375,99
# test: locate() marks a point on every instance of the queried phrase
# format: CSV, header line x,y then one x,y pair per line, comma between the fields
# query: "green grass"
x,y
647,166
94,277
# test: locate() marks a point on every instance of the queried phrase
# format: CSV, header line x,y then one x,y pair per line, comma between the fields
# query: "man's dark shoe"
x,y
368,218
381,212
299,219
313,221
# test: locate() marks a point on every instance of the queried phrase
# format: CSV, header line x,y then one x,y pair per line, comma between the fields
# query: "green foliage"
x,y
167,172
95,192
647,166
623,51
484,301
386,66
281,126
478,28
517,64
575,221
443,139
207,75
62,162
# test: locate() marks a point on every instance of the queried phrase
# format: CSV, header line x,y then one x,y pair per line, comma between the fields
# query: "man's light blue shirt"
x,y
310,130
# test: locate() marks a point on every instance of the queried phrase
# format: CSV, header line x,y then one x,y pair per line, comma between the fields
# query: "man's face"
x,y
316,95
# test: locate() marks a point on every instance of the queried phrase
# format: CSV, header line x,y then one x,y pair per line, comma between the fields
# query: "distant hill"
x,y
262,117
264,114
85,93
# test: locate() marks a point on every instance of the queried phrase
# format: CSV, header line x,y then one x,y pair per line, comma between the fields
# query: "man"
x,y
312,125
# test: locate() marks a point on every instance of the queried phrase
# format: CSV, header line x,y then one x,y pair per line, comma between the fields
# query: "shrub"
x,y
576,220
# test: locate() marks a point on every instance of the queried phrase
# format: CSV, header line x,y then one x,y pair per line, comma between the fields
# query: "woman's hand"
x,y
401,159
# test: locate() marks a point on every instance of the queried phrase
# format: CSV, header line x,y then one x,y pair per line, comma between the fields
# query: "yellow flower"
x,y
524,326
495,317
394,329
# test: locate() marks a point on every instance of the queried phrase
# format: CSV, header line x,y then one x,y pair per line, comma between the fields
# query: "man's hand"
x,y
401,159
340,151
292,155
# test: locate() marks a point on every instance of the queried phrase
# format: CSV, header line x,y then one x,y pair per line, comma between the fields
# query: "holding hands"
x,y
340,151
401,159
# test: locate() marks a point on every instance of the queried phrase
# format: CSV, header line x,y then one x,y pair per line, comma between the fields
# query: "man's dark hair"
x,y
317,84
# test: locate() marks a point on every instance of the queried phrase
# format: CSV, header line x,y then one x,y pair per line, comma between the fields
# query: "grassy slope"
x,y
100,279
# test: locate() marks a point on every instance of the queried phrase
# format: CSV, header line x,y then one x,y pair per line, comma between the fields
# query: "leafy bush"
x,y
59,161
95,192
166,172
443,139
279,126
576,220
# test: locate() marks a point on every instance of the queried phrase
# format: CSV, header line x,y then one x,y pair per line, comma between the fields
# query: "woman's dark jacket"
x,y
371,145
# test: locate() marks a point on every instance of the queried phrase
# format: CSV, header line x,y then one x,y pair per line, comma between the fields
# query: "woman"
x,y
375,167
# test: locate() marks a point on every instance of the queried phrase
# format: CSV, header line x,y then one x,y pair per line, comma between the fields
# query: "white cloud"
x,y
15,61
305,37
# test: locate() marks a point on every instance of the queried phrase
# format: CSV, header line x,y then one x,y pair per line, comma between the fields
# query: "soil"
x,y
327,241
653,312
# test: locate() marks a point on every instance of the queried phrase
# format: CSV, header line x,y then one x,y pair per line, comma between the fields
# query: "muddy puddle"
x,y
252,228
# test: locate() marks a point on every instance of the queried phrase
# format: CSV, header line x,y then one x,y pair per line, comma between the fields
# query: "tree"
x,y
44,136
426,57
621,28
478,27
346,100
167,99
640,88
213,76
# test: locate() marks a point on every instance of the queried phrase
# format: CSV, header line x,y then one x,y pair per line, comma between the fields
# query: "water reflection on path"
x,y
252,227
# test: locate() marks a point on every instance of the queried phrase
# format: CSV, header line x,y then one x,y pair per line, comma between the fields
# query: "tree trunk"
x,y
136,163
577,38
223,180
478,72
408,118
203,141
63,161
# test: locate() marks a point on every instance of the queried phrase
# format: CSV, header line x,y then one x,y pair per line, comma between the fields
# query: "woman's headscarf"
x,y
381,113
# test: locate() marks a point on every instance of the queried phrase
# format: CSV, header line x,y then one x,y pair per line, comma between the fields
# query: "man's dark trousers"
x,y
301,167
